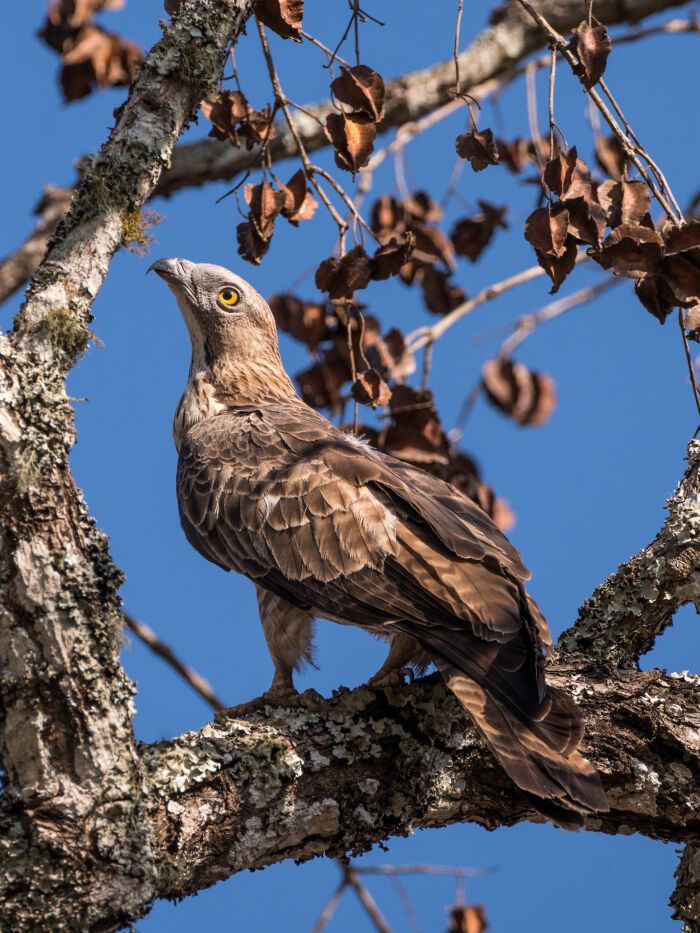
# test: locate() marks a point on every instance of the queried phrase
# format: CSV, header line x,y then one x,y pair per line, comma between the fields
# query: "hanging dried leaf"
x,y
478,148
630,250
96,57
529,398
265,204
432,245
587,220
611,157
591,45
567,176
341,278
625,202
681,239
282,16
172,6
299,204
656,295
420,207
362,89
306,321
515,155
440,294
471,235
234,119
467,919
387,216
546,229
352,136
320,385
692,322
558,267
682,273
388,258
251,246
370,389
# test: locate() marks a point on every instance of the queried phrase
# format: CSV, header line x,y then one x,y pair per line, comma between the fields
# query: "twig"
x,y
329,55
552,73
346,198
356,17
367,900
195,680
424,869
526,324
458,83
308,168
406,903
633,149
532,119
330,907
691,371
423,335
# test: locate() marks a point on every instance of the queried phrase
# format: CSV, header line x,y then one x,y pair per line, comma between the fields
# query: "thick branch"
x,y
685,900
490,57
626,614
75,850
245,794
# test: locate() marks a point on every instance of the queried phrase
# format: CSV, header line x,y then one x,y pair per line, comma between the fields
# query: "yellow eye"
x,y
228,296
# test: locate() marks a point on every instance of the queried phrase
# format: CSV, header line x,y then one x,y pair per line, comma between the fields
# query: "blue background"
x,y
588,487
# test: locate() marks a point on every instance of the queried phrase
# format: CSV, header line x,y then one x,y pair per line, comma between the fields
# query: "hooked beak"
x,y
171,270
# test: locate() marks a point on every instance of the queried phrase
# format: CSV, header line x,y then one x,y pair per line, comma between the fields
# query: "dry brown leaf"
x,y
233,118
251,246
387,216
370,389
282,16
611,156
471,235
440,294
630,250
529,398
352,136
591,45
419,206
340,278
389,257
95,57
478,148
692,322
546,229
320,385
464,918
362,89
265,204
682,273
172,6
587,220
625,202
656,295
681,239
515,155
306,321
567,176
299,203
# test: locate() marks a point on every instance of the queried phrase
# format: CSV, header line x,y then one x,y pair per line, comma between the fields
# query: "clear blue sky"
x,y
588,487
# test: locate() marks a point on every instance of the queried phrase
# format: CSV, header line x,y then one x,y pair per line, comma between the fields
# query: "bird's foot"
x,y
394,678
276,698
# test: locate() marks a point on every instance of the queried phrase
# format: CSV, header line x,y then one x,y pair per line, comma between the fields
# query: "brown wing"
x,y
281,495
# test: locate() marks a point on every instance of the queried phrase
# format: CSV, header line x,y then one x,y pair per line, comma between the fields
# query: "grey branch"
x,y
627,612
244,794
491,57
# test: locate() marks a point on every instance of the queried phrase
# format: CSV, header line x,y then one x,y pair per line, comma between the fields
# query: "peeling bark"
x,y
686,898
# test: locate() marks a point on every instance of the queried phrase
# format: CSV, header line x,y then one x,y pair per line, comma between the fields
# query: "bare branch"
x,y
627,613
159,648
425,335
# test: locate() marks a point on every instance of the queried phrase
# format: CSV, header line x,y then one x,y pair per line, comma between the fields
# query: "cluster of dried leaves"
x,y
292,201
352,132
528,397
91,57
344,341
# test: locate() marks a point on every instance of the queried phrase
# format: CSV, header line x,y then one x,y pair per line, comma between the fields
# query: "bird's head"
x,y
233,332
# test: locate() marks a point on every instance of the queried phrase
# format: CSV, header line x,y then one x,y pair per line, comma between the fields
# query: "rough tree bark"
x,y
94,827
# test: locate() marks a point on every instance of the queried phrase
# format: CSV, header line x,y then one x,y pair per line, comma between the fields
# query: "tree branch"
x,y
627,613
490,58
75,848
244,794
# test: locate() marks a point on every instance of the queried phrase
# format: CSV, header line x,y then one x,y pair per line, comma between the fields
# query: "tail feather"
x,y
540,756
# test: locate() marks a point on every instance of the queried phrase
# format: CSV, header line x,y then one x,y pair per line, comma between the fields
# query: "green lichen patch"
x,y
67,334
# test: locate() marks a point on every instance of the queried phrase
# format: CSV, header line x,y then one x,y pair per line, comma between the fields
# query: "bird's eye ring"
x,y
228,297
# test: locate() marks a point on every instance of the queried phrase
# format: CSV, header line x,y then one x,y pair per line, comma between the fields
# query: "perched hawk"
x,y
327,526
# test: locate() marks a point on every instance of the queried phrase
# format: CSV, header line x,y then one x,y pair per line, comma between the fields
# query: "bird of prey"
x,y
328,527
